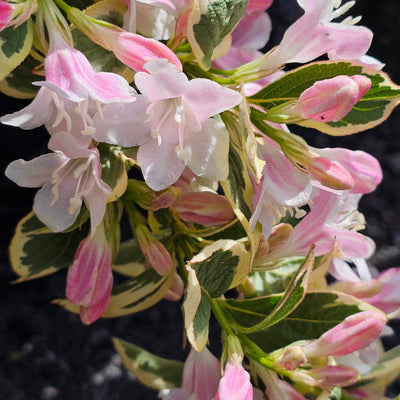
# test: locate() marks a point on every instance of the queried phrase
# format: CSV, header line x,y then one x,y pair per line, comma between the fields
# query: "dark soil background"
x,y
47,354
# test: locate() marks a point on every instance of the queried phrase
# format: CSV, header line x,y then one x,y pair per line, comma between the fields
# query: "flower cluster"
x,y
166,114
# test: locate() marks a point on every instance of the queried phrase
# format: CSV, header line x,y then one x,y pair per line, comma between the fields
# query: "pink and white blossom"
x,y
6,11
71,94
67,180
201,375
90,280
178,124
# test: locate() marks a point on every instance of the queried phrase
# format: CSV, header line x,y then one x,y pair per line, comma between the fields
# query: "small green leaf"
x,y
318,312
370,111
18,83
15,45
196,311
130,260
209,23
35,251
113,170
291,299
153,371
138,293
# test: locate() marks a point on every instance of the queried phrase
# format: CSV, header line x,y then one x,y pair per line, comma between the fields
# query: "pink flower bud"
x,y
330,173
89,280
154,251
292,358
204,208
6,10
176,289
354,333
335,375
332,99
234,384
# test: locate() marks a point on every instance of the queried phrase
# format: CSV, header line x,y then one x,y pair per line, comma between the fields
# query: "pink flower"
x,y
283,187
257,6
354,333
89,280
234,384
6,10
178,124
67,179
71,94
313,35
201,375
331,99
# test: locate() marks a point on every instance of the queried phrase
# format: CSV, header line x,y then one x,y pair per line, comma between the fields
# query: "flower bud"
x,y
176,289
331,99
354,333
234,384
89,280
153,250
292,358
204,208
335,375
6,11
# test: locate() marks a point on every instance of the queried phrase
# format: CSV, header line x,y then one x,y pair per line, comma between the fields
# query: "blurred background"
x,y
47,353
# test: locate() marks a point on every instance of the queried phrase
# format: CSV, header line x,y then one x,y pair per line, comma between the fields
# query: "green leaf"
x,y
130,260
138,293
113,170
15,45
220,266
291,299
317,313
196,311
209,23
153,371
370,111
35,251
18,83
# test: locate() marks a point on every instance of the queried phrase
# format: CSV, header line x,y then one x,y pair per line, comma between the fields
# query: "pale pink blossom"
x,y
333,217
314,34
365,170
178,124
201,375
71,94
89,280
66,180
234,384
283,187
354,333
331,99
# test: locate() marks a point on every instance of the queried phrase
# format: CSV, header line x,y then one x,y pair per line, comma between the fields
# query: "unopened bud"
x,y
331,99
153,250
335,375
292,358
204,208
354,333
176,289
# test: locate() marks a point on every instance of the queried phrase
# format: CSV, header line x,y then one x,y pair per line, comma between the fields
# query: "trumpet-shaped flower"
x,y
180,130
67,179
201,375
71,94
89,280
314,34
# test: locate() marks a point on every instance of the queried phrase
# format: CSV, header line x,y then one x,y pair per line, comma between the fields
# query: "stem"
x,y
219,314
135,217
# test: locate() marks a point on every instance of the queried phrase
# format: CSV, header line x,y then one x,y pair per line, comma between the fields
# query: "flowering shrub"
x,y
167,114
